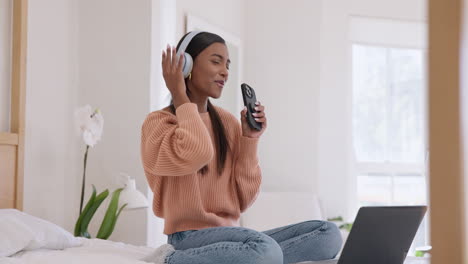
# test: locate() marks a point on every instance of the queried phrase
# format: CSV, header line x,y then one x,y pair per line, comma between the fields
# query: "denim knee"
x,y
268,249
334,239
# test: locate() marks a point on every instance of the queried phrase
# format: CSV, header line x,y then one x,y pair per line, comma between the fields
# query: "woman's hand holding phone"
x,y
173,76
253,117
259,116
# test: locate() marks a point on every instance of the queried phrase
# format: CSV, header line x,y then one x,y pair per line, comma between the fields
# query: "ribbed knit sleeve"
x,y
175,145
247,172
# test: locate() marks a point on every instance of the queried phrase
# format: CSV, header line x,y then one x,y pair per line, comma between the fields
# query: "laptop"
x,y
380,235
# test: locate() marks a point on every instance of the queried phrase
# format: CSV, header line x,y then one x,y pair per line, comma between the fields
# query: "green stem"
x,y
84,178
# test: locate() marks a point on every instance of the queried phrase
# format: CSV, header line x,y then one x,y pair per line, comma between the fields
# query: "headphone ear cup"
x,y
188,64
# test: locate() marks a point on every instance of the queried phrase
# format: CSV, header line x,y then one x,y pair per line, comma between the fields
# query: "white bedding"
x,y
92,251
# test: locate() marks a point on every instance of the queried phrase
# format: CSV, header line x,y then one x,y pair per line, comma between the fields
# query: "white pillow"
x,y
12,239
21,231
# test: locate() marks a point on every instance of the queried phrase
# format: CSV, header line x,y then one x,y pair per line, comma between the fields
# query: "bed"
x,y
26,239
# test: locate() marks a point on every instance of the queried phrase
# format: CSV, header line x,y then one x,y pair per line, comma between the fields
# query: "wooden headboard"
x,y
12,142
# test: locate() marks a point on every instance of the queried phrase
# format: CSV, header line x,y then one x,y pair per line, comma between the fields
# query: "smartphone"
x,y
248,94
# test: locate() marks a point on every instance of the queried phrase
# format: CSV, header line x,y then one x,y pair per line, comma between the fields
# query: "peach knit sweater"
x,y
175,147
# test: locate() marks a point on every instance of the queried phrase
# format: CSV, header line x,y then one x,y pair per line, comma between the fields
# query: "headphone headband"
x,y
187,40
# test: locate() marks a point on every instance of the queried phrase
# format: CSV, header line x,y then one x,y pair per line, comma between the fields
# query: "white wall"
x,y
336,186
114,75
282,60
227,14
5,63
51,95
85,52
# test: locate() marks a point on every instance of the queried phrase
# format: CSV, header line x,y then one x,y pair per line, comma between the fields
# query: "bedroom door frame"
x,y
448,131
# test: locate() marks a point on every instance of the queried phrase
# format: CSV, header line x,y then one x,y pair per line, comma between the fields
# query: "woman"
x,y
202,166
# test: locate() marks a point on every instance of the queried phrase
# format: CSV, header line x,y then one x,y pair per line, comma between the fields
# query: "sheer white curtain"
x,y
163,32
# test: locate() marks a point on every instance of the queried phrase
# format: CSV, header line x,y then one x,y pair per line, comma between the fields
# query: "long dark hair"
x,y
200,42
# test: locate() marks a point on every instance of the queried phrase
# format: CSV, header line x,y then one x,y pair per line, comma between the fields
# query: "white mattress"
x,y
92,251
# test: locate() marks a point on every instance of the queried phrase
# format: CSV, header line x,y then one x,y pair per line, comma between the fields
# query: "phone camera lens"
x,y
248,92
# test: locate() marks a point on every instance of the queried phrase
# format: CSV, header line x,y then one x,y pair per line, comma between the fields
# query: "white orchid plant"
x,y
90,125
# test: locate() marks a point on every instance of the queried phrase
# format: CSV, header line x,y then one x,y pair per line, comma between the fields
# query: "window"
x,y
389,128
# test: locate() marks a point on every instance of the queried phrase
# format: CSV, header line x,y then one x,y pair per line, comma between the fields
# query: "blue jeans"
x,y
305,241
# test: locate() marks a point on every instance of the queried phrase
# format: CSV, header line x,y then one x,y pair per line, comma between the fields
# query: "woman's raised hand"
x,y
173,76
172,71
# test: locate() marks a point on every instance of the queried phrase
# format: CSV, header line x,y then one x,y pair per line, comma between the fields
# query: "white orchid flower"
x,y
90,124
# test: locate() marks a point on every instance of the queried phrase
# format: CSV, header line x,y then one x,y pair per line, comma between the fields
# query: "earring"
x,y
190,76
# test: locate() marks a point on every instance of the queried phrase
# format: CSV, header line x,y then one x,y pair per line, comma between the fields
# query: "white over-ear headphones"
x,y
188,63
